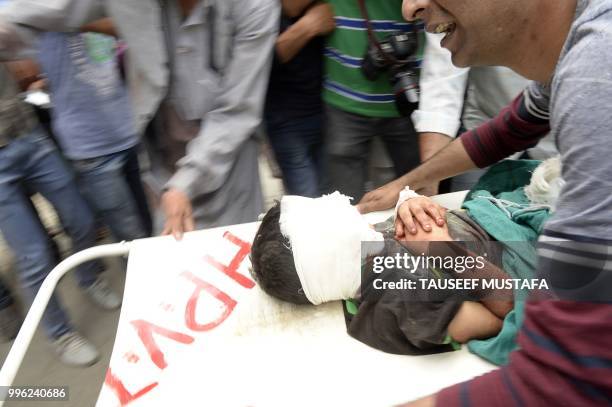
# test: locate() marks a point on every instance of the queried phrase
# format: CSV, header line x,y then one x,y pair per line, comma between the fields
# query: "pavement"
x,y
40,365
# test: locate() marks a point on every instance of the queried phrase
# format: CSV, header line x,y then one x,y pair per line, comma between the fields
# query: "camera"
x,y
396,55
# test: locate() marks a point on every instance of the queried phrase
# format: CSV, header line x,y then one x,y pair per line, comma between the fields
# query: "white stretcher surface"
x,y
193,332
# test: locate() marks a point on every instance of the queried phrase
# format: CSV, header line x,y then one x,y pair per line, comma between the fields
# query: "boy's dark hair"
x,y
272,261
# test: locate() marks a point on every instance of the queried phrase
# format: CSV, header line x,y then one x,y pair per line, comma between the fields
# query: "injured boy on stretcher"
x,y
308,251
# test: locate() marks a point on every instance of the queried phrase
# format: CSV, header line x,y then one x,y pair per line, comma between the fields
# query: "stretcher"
x,y
195,329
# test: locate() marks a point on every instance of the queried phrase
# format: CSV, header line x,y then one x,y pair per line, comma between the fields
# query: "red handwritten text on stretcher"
x,y
148,331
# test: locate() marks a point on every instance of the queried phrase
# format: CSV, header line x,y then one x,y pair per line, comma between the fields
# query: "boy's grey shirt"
x,y
229,104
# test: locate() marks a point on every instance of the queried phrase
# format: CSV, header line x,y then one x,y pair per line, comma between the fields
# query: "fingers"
x,y
189,223
405,216
174,227
436,213
399,229
177,208
377,200
177,225
422,218
368,203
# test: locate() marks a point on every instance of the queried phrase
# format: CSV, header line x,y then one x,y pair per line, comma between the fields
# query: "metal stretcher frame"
x,y
22,342
24,337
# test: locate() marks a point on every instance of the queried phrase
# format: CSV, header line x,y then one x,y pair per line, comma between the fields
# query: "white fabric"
x,y
546,183
404,195
442,91
325,235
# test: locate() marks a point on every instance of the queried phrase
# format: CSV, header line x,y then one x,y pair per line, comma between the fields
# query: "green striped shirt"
x,y
345,87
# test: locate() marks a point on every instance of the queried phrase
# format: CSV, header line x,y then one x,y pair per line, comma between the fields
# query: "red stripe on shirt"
x,y
503,135
566,363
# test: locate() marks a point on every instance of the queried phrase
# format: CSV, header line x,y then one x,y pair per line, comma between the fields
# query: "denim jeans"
x,y
112,187
348,141
32,164
6,298
297,145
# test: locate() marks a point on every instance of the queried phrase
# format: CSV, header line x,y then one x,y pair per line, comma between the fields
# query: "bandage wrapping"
x,y
325,235
404,195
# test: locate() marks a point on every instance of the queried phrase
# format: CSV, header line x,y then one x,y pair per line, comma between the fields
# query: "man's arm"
x,y
25,71
295,8
102,26
318,20
235,116
451,160
429,145
442,95
22,20
437,121
517,127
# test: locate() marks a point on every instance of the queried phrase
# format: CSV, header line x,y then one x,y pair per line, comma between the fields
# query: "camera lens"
x,y
406,90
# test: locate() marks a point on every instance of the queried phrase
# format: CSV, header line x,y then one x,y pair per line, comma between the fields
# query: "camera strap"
x,y
372,37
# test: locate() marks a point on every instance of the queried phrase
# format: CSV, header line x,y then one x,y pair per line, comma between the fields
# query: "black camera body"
x,y
396,55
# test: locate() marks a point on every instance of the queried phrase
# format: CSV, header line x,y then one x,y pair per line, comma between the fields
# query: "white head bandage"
x,y
325,236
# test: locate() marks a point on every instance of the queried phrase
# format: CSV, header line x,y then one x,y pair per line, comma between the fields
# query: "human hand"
x,y
40,84
24,71
381,198
421,208
320,19
178,212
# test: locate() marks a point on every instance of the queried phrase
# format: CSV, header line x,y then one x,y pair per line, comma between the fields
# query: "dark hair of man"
x,y
272,261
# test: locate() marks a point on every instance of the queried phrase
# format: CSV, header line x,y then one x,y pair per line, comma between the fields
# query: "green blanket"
x,y
499,205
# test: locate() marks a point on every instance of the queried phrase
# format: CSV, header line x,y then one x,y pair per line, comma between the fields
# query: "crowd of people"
x,y
158,107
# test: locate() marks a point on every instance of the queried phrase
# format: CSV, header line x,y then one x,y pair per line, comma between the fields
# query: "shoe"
x,y
74,350
103,295
10,322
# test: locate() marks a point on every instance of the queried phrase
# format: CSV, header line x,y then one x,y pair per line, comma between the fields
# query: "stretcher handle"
x,y
24,337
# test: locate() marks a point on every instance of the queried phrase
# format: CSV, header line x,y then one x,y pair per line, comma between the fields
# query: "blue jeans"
x,y
32,164
297,145
6,298
111,185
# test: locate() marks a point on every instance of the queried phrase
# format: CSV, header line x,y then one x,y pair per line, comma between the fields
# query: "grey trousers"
x,y
347,143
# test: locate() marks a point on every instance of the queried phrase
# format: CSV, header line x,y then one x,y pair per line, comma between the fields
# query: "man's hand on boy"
x,y
381,198
421,209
